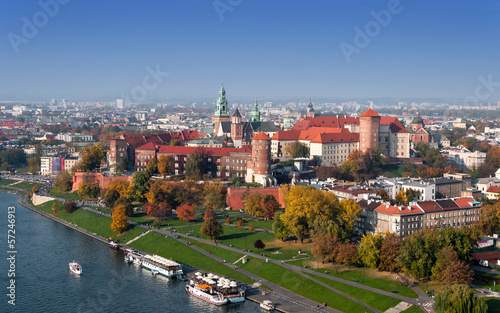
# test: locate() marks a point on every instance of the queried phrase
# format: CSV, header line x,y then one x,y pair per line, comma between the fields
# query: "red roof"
x,y
148,146
494,189
394,124
261,136
209,151
344,135
325,121
464,202
402,210
369,113
286,135
429,206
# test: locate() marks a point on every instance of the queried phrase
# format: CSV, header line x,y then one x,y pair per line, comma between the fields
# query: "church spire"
x,y
255,116
310,109
221,108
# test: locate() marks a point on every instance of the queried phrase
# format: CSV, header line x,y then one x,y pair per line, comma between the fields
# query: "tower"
x,y
221,110
310,109
255,117
236,129
259,168
416,123
369,127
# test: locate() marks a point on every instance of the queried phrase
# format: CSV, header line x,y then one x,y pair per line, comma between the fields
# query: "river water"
x,y
43,282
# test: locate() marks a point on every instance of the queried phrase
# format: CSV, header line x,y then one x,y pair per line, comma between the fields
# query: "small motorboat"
x,y
113,245
75,268
182,277
267,305
155,272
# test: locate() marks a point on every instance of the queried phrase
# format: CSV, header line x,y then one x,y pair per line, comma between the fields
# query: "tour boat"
x,y
75,268
133,256
233,292
267,305
164,266
114,245
207,293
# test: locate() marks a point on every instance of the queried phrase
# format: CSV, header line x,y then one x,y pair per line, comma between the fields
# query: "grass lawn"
x,y
229,256
486,280
414,309
64,195
241,238
365,276
7,181
170,248
393,170
301,285
493,305
99,208
145,219
375,300
27,185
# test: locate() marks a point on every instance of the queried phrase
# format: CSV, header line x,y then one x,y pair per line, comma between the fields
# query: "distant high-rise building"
x,y
119,103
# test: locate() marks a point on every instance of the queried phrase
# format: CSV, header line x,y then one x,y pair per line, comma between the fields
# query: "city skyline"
x,y
186,49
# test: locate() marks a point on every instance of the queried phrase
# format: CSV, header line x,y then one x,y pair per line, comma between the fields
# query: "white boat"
x,y
267,305
154,272
75,268
164,266
207,293
133,256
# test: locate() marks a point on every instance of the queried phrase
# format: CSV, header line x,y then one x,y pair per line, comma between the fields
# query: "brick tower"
x,y
237,129
369,126
221,111
259,168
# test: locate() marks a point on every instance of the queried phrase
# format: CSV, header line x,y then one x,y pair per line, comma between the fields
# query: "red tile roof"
x,y
402,210
369,113
494,189
344,135
286,135
394,124
209,151
261,136
148,146
325,121
429,206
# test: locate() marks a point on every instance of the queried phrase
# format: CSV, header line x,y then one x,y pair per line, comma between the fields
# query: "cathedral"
x,y
233,127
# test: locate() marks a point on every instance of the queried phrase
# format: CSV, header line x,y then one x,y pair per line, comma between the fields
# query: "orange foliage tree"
x,y
119,223
186,212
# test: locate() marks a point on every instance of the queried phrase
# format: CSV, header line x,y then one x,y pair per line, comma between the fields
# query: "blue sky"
x,y
281,48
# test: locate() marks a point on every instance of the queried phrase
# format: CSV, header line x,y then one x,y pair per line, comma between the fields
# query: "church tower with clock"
x,y
221,110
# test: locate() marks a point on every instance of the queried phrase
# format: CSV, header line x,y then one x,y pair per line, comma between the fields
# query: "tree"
x,y
64,181
251,227
253,204
401,198
240,224
351,167
89,190
196,164
388,252
417,253
110,197
70,207
211,228
175,142
459,298
152,167
92,157
458,272
297,150
139,185
369,249
129,208
186,212
279,228
324,246
166,165
382,193
215,195
258,244
236,181
347,254
270,207
123,187
34,165
208,213
119,223
349,215
228,221
161,210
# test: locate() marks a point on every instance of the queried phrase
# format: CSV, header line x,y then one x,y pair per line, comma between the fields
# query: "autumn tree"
x,y
347,254
251,227
388,252
382,193
92,157
279,228
270,207
211,228
458,272
121,186
152,167
139,185
258,244
89,190
240,223
34,165
324,246
64,181
349,215
126,202
214,194
166,165
369,249
228,221
459,298
253,204
196,164
297,150
119,223
401,198
208,213
160,210
110,197
186,211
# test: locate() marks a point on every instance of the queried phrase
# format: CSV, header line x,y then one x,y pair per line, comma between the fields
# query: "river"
x,y
43,282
